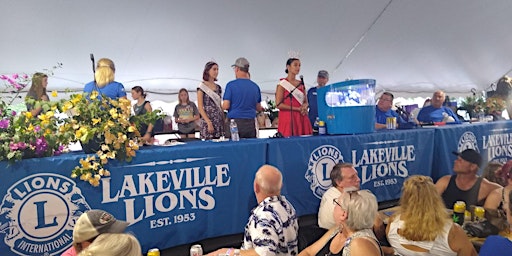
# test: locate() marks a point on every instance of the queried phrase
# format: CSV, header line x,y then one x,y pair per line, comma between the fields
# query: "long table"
x,y
185,193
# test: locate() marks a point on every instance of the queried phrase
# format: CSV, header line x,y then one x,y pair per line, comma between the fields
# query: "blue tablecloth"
x,y
186,193
383,160
492,140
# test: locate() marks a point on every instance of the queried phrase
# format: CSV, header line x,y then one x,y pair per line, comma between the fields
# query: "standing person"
x,y
383,111
242,100
89,226
321,79
422,227
272,228
465,185
185,115
141,107
104,81
292,103
436,112
37,92
209,103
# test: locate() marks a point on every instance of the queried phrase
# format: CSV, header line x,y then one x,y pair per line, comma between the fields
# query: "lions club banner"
x,y
170,196
383,161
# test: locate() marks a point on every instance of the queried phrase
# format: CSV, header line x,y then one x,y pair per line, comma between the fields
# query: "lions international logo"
x,y
321,161
38,214
467,141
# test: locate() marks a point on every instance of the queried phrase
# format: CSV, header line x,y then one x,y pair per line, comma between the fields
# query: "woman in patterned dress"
x,y
209,103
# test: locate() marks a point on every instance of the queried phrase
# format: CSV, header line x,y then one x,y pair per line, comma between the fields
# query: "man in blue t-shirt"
x,y
436,112
321,79
242,99
383,111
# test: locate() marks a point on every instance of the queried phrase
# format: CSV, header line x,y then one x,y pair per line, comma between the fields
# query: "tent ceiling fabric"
x,y
414,47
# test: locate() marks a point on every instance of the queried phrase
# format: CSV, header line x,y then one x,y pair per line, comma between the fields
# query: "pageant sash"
x,y
215,97
297,94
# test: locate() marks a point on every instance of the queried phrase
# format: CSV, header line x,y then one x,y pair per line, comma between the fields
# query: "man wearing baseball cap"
x,y
242,99
321,79
89,226
465,185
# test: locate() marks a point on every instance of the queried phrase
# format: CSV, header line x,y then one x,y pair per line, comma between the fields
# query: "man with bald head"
x,y
436,112
272,228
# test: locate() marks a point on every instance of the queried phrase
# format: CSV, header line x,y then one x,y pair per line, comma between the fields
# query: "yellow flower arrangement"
x,y
107,124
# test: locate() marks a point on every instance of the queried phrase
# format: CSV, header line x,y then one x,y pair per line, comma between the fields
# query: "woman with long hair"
x,y
496,202
141,107
104,81
354,214
209,103
498,245
292,103
186,114
422,226
37,92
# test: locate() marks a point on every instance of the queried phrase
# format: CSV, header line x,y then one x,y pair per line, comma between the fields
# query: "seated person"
x,y
343,175
354,213
436,112
91,224
422,227
114,245
383,111
496,203
498,245
272,227
465,185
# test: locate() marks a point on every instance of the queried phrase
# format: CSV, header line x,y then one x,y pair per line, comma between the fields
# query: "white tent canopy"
x,y
410,47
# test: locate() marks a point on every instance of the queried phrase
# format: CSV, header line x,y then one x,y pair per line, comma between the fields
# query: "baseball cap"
x,y
95,222
242,63
323,73
470,155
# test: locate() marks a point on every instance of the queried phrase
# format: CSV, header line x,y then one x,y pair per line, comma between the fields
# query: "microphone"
x,y
93,66
302,80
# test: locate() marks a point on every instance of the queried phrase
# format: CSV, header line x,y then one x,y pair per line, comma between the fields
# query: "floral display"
x,y
90,119
21,134
108,126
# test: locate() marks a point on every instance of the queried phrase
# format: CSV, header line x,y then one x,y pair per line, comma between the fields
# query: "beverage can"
x,y
459,210
196,250
154,252
321,128
479,213
391,123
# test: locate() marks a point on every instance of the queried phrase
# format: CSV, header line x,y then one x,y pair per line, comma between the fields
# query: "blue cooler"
x,y
348,107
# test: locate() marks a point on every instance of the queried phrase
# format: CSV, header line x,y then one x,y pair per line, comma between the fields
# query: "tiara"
x,y
294,54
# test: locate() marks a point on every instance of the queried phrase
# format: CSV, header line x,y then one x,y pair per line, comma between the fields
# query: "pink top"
x,y
69,252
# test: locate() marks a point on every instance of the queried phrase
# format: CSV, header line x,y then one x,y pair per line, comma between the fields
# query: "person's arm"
x,y
314,248
147,136
493,200
459,242
380,126
37,111
200,95
196,112
226,104
442,184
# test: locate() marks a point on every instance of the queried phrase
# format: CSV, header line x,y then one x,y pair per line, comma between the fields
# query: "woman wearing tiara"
x,y
292,103
209,103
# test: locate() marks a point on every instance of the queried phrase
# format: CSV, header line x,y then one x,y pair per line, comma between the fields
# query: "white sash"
x,y
297,94
215,97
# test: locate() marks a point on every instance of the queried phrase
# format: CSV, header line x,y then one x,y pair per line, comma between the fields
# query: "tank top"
x,y
453,194
439,246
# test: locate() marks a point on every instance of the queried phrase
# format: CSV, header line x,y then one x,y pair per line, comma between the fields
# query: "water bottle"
x,y
315,126
234,130
321,128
